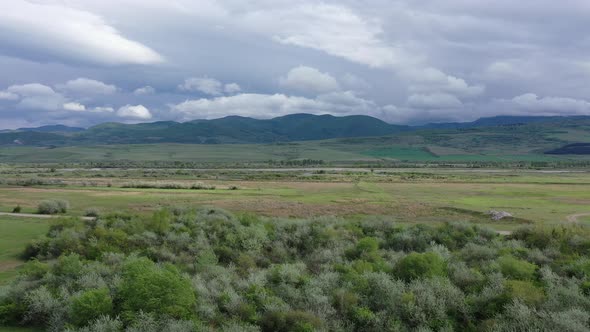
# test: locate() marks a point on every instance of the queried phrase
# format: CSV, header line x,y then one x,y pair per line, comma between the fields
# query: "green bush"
x,y
34,269
17,209
161,291
92,212
420,265
206,269
91,305
367,247
53,206
515,268
11,313
525,291
290,321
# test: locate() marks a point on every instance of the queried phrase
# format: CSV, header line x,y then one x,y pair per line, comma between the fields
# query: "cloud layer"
x,y
84,62
46,30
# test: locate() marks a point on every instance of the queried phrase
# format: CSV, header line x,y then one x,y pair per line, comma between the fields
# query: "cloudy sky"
x,y
83,62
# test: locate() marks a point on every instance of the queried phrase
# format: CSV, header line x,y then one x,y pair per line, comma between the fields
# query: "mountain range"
x,y
236,129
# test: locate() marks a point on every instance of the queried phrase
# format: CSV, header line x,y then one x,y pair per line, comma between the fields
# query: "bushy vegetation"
x,y
92,212
208,270
53,206
17,209
168,185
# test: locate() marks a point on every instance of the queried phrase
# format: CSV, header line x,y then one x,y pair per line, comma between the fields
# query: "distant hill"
x,y
235,129
505,131
573,149
502,120
53,129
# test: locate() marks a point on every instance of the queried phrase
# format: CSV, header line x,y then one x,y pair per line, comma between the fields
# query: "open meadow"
x,y
404,196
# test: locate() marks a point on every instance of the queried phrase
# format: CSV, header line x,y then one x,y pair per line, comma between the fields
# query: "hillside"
x,y
536,142
290,128
232,129
304,136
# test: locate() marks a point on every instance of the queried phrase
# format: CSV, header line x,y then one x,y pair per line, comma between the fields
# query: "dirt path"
x,y
574,217
39,216
571,218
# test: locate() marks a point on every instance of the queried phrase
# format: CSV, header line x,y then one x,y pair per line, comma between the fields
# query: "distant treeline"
x,y
309,163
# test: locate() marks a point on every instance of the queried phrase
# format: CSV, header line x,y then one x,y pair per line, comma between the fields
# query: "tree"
x,y
417,265
91,305
161,291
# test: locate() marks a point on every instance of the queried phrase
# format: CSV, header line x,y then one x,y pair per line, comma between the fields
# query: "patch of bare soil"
x,y
9,265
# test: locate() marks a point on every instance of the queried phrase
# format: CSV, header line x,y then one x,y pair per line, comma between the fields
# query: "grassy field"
x,y
373,149
408,195
15,233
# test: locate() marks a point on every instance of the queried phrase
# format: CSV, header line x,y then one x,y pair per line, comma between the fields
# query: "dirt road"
x,y
40,216
575,217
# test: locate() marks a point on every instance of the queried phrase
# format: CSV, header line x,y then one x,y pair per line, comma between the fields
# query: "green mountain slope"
x,y
529,138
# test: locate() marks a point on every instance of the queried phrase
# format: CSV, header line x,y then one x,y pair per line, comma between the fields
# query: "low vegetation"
x,y
168,185
208,270
53,206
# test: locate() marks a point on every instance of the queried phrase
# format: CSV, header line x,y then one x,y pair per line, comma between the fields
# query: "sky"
x,y
84,62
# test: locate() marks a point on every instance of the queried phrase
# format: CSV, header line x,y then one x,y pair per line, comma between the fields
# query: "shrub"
x,y
34,269
526,292
367,245
92,212
417,265
290,321
10,313
17,209
53,206
516,268
161,291
91,305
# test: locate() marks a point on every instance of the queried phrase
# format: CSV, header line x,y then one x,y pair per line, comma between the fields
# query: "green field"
x,y
407,148
410,195
15,233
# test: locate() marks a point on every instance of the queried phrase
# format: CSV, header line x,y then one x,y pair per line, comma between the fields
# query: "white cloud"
x,y
7,95
146,90
35,96
232,88
209,86
75,107
31,89
309,80
269,106
139,112
333,29
551,105
434,101
501,69
102,110
86,86
430,80
42,31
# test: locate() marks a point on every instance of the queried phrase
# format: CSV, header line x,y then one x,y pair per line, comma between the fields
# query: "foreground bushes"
x,y
207,270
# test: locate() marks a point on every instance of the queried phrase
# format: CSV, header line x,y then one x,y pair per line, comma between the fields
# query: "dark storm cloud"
x,y
83,61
